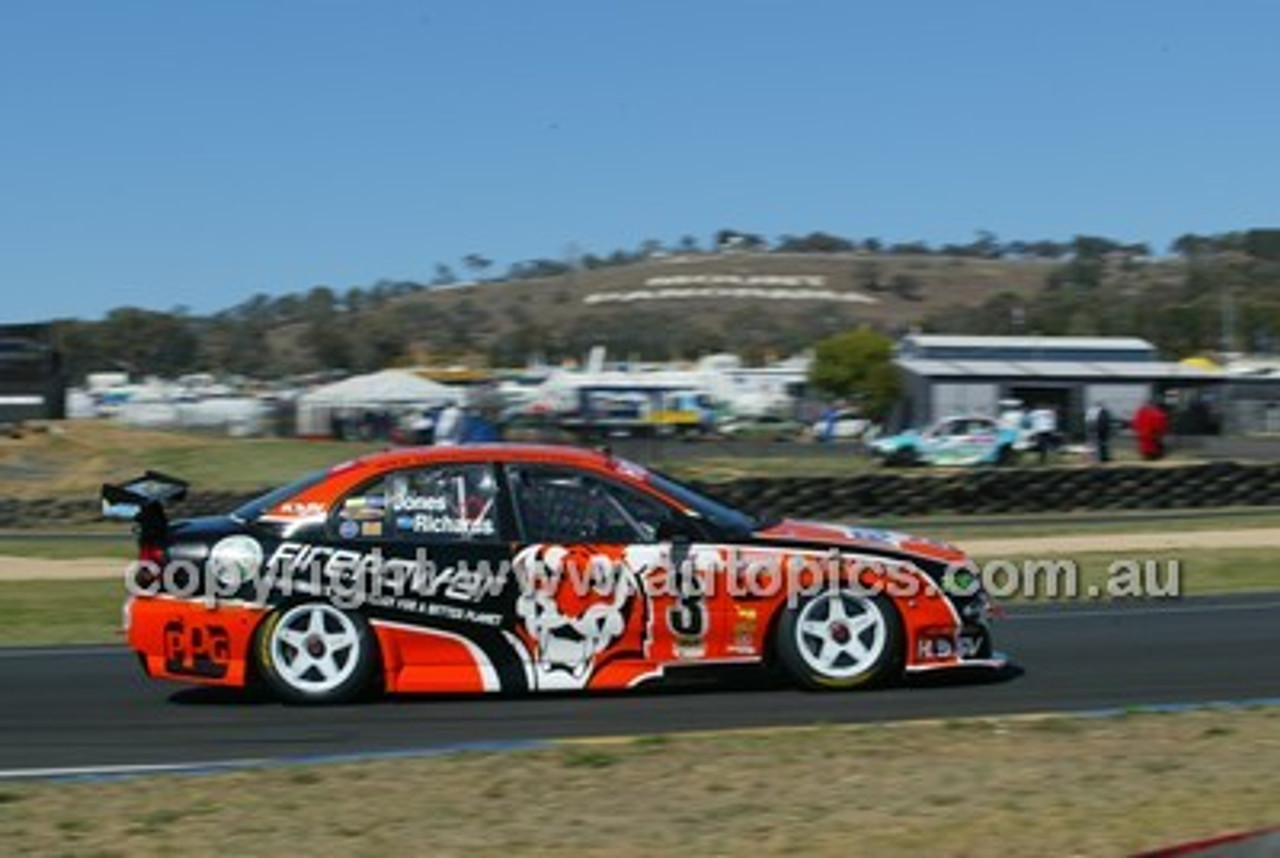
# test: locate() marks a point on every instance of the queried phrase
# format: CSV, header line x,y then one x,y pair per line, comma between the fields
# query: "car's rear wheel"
x,y
841,639
313,652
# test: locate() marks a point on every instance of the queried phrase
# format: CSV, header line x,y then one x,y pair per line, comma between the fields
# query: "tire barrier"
x,y
44,513
980,491
1011,490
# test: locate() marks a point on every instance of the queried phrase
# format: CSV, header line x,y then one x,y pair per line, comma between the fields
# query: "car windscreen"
x,y
259,505
721,516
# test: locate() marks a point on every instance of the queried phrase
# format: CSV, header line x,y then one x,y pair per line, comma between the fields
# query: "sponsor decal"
x,y
200,650
743,634
936,648
687,616
568,627
303,509
364,509
369,577
371,528
419,503
234,560
349,529
450,526
870,534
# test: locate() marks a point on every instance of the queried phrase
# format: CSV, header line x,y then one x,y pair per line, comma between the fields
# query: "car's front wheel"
x,y
313,652
903,457
841,639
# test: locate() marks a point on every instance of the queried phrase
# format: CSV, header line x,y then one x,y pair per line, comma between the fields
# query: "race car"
x,y
513,568
961,440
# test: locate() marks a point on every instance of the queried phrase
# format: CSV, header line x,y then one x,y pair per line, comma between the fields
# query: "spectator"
x,y
1098,425
423,428
1044,428
479,429
1151,425
449,427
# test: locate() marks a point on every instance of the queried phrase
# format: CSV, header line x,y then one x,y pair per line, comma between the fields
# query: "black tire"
x,y
903,458
342,652
800,649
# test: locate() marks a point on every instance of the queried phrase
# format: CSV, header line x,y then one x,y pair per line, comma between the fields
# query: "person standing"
x,y
1098,424
449,428
1151,425
1044,426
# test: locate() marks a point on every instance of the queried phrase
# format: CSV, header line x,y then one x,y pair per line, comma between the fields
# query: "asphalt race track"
x,y
91,707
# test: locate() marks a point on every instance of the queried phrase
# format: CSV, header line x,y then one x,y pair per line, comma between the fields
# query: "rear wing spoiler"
x,y
143,497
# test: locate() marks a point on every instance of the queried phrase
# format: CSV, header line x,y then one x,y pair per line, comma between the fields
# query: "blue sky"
x,y
159,154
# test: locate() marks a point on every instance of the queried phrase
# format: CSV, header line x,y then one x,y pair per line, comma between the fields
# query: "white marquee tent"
x,y
388,389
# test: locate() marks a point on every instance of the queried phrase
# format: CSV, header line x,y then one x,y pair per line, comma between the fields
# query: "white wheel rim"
x,y
840,635
315,647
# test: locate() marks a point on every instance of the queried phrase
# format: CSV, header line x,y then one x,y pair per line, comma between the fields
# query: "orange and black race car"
x,y
526,568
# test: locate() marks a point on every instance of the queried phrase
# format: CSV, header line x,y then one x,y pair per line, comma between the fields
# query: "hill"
x,y
685,305
1217,291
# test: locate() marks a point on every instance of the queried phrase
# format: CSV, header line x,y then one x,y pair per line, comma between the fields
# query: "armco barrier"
x,y
983,491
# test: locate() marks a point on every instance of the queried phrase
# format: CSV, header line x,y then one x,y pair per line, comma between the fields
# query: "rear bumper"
x,y
188,641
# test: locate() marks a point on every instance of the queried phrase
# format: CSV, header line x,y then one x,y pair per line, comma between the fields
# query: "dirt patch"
x,y
75,569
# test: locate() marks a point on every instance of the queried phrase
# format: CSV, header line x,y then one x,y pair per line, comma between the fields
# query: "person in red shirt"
x,y
1151,425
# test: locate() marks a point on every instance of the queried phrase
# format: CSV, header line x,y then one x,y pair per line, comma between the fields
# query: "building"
x,y
947,374
32,383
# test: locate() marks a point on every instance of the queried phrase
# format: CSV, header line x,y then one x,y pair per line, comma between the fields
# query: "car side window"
x,y
560,505
445,503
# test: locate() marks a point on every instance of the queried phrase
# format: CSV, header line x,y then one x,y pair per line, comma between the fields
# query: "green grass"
x,y
1092,786
74,458
1067,524
60,612
252,464
1202,571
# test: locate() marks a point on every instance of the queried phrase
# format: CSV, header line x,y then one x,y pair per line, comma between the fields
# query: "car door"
x,y
435,542
608,594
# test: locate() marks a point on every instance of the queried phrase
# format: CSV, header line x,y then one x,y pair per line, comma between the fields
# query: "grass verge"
x,y
1053,786
40,613
1066,524
1189,572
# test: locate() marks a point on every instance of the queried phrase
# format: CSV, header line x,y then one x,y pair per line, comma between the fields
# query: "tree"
x,y
443,275
476,264
906,287
986,245
732,239
858,364
651,247
814,242
1092,246
1263,243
